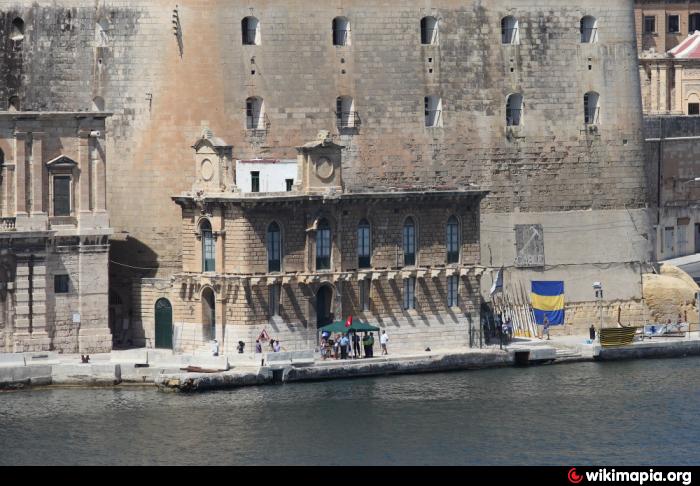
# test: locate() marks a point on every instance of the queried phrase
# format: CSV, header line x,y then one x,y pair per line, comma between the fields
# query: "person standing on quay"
x,y
383,340
344,341
356,344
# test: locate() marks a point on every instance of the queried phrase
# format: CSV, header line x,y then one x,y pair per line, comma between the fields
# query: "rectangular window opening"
x,y
693,108
290,184
649,25
61,196
674,24
255,181
61,284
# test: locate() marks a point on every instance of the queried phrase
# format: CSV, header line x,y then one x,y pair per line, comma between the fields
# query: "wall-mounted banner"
x,y
548,302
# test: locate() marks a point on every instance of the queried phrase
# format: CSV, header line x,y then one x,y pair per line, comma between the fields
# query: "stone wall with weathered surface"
x,y
163,88
671,151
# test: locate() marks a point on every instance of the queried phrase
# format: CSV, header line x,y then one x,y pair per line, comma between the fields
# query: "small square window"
x,y
61,284
694,108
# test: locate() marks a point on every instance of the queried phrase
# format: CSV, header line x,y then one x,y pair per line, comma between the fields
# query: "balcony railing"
x,y
348,119
7,224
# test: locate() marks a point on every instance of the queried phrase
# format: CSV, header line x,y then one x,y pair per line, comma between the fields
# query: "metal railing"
x,y
347,119
7,224
257,123
592,116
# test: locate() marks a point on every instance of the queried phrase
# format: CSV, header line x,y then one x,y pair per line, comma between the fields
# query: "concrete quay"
x,y
163,369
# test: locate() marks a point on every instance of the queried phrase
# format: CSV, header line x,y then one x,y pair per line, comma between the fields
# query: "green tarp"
x,y
339,326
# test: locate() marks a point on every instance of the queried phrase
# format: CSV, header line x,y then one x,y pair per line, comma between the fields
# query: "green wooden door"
x,y
164,324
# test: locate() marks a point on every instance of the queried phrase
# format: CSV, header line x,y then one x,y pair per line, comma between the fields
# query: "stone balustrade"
x,y
7,224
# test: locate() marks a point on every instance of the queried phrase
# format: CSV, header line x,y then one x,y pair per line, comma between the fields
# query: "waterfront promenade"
x,y
166,370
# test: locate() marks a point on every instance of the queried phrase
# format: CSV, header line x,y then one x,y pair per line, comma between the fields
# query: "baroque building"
x,y
289,261
54,231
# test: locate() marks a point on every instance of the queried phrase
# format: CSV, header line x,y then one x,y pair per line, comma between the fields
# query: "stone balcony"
x,y
7,224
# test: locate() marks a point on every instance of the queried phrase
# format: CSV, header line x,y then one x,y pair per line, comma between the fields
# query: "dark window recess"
x,y
290,184
61,284
61,196
274,248
649,25
323,246
694,108
363,244
255,181
693,22
674,24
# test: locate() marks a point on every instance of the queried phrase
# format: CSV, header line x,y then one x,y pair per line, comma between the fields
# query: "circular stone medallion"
x,y
324,168
207,170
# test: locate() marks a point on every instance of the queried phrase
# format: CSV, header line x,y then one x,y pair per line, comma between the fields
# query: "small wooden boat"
x,y
619,336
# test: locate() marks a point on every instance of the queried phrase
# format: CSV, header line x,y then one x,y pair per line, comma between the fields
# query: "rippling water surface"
x,y
641,412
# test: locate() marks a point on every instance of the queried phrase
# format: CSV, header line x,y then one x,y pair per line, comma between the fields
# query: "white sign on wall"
x,y
76,318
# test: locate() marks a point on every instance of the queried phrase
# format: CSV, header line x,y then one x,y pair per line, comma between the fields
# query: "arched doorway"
x,y
164,324
324,302
208,315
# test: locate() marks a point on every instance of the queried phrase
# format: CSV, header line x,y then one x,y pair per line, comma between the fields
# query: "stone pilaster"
x,y
21,173
38,174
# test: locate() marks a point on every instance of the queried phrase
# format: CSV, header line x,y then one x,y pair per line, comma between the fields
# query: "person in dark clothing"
x,y
365,344
356,344
591,332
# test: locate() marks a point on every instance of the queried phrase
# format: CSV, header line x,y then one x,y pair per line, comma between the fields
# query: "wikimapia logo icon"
x,y
573,477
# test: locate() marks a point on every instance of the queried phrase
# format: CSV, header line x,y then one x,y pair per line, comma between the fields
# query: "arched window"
x,y
428,30
409,242
208,247
13,104
509,30
208,314
590,108
514,109
364,244
323,245
589,30
433,111
693,22
17,33
250,27
341,31
98,104
452,240
274,248
345,112
102,33
255,113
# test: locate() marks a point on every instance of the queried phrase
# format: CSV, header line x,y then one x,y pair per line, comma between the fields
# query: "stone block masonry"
x,y
161,95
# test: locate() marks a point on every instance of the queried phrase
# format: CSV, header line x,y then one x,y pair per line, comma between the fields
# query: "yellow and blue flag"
x,y
548,301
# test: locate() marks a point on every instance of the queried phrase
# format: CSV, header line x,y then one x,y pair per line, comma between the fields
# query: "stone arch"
x,y
207,297
17,30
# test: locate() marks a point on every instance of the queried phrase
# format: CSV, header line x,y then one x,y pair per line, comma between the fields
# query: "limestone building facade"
x,y
288,262
54,231
536,102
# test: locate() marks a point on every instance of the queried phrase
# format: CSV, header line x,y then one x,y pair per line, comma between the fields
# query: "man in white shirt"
x,y
383,339
215,348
